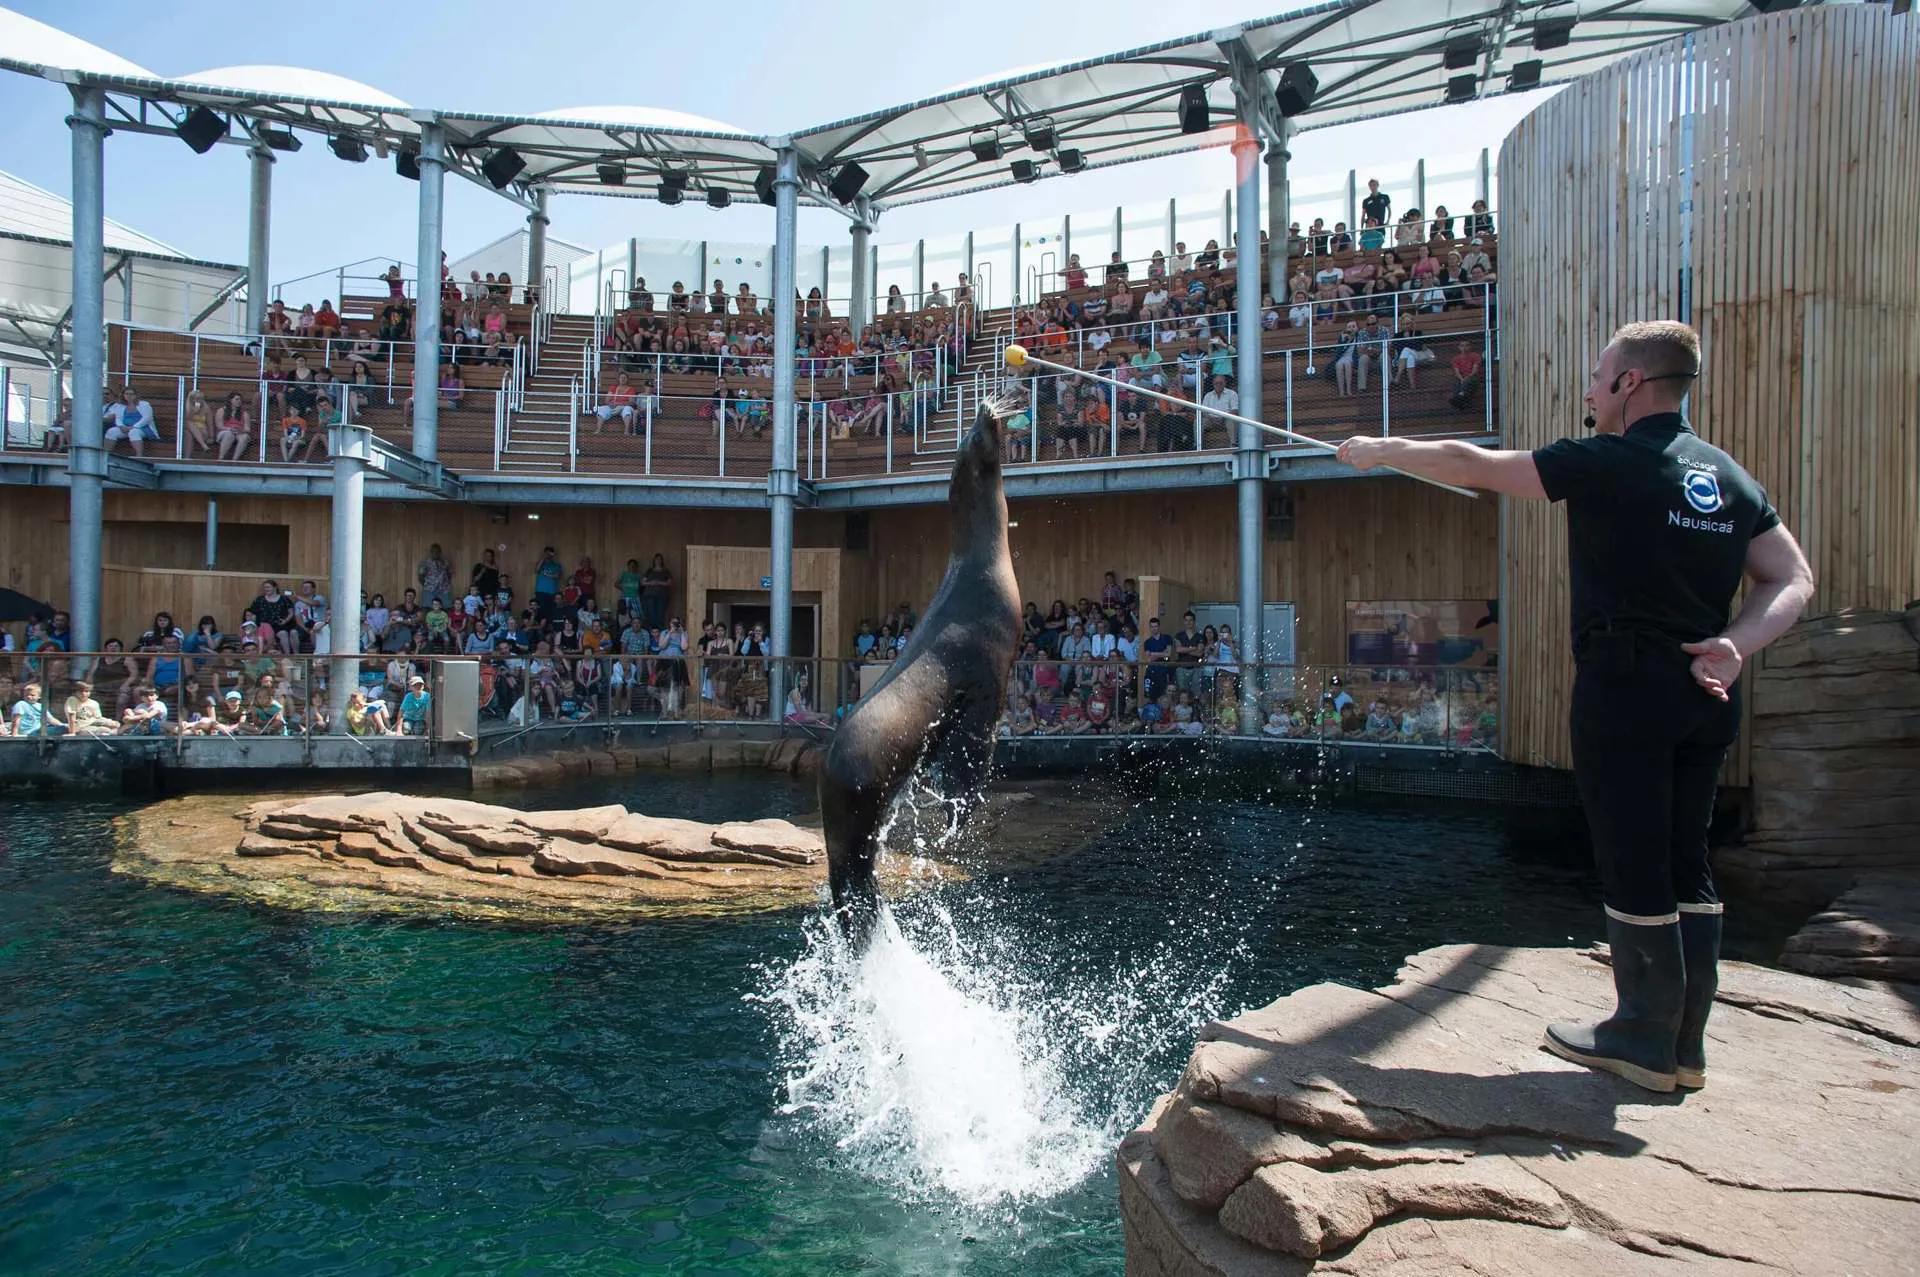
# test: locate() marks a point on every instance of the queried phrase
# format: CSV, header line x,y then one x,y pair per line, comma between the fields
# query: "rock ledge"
x,y
385,850
1419,1129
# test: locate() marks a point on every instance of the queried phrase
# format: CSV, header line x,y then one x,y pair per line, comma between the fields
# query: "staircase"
x,y
978,377
538,431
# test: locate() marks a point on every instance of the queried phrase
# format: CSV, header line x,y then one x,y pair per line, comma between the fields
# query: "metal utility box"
x,y
456,700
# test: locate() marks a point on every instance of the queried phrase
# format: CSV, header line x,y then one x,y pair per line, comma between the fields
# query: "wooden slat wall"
x,y
1353,539
1805,141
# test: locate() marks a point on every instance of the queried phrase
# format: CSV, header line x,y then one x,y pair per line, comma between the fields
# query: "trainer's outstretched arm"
x,y
1449,461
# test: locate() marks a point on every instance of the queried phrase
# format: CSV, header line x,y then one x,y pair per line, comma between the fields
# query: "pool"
x,y
198,1085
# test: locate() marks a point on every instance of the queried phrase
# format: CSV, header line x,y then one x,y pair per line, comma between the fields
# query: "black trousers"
x,y
1648,744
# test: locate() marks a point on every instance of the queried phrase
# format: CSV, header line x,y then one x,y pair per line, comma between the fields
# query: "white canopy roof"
x,y
1371,57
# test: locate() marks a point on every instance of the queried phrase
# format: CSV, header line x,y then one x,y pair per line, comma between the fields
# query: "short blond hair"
x,y
1659,348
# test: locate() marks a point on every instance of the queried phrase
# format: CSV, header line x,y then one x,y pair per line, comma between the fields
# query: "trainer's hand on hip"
x,y
1362,452
1716,664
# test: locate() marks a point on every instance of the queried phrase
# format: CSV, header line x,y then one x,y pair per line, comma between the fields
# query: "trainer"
x,y
1661,527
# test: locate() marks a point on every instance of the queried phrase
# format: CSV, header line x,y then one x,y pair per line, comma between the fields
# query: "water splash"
x,y
964,1059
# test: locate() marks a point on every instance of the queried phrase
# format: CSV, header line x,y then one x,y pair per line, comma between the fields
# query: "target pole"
x,y
1020,356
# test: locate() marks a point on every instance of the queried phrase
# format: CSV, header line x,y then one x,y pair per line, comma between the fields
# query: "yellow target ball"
x,y
1016,356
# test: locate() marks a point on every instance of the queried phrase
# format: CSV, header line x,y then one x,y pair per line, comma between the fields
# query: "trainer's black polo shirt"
x,y
1657,528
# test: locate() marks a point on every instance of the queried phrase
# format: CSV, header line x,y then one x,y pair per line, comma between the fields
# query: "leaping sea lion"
x,y
941,699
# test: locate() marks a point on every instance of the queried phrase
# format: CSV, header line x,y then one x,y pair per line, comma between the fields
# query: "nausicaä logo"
x,y
1702,489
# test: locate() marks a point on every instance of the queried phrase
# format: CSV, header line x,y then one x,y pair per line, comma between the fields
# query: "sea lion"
x,y
941,699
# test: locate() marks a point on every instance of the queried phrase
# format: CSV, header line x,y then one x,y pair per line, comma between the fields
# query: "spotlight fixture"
x,y
1193,109
407,164
920,157
201,129
671,194
985,145
350,149
674,179
1461,88
280,139
1070,159
501,167
717,198
1462,51
1298,84
847,183
1025,170
611,173
1525,75
1552,33
763,184
1039,133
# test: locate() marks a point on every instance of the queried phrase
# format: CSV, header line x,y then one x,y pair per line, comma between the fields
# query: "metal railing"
x,y
1446,708
547,689
280,693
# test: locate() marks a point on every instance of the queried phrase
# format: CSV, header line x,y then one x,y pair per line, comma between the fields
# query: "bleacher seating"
x,y
685,441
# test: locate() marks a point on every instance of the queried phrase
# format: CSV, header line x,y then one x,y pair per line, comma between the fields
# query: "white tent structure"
x,y
148,283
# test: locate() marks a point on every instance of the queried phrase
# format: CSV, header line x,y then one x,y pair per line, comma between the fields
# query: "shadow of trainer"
x,y
941,699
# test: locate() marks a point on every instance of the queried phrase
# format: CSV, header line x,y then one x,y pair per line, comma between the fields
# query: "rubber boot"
x,y
1700,943
1650,983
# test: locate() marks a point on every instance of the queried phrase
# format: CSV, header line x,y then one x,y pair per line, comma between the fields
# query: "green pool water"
x,y
194,1085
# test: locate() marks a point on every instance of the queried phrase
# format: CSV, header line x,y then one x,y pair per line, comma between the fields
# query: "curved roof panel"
x,y
295,82
37,43
643,117
1371,57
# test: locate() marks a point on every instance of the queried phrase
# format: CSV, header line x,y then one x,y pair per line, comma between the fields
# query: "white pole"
x,y
1281,431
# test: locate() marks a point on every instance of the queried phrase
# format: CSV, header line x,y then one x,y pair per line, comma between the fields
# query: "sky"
x,y
763,67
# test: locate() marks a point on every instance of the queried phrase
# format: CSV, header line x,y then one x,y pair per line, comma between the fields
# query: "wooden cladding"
x,y
1757,179
1351,539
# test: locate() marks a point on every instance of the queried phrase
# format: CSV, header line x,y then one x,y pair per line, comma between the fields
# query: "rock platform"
x,y
1872,931
1419,1130
396,851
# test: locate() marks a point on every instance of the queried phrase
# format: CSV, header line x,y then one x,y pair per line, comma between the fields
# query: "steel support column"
x,y
860,307
1419,191
259,235
351,449
1250,458
426,306
1018,283
213,532
1279,218
919,274
87,459
537,247
783,482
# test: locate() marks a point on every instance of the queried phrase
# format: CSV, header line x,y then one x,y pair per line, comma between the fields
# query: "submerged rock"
x,y
1420,1129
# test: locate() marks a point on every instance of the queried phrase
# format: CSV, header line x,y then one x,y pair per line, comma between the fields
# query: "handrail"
x,y
339,272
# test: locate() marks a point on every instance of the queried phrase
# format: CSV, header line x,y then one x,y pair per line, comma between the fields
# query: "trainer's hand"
x,y
1716,664
1362,452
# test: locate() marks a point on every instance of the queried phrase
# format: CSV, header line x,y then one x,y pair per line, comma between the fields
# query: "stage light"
x,y
1461,88
350,149
1193,109
1039,134
201,129
675,178
717,198
1025,170
671,194
501,167
847,182
1070,159
611,173
280,139
407,164
1298,84
763,184
1552,33
985,146
1525,75
1462,51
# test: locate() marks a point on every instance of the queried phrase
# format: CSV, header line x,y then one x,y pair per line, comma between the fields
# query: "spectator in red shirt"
x,y
1466,372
